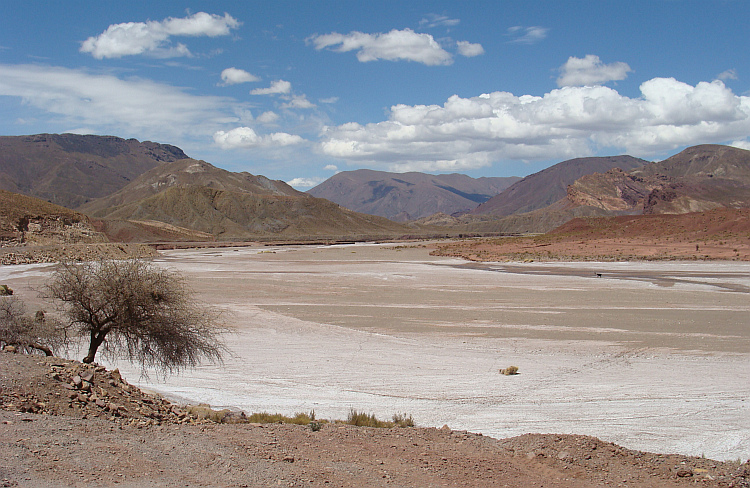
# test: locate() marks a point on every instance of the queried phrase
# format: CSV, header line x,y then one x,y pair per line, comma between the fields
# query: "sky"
x,y
300,90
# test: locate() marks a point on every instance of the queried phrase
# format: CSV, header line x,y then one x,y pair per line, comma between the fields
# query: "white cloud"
x,y
245,137
431,21
152,37
127,107
730,74
527,35
742,144
298,101
278,87
331,167
392,46
468,49
305,182
467,133
268,117
233,76
329,100
590,71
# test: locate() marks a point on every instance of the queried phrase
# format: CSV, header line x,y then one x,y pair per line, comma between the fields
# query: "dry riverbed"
x,y
651,356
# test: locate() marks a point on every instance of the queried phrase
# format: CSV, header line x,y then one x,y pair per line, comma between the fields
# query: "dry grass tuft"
x,y
509,371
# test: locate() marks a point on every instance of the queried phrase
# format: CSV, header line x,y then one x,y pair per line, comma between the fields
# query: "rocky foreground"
x,y
63,423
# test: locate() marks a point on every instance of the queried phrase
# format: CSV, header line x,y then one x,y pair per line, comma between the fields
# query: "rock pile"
x,y
73,252
82,390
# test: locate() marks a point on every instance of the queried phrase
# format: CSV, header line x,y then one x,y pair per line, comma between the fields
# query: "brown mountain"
x,y
196,195
70,169
27,220
408,196
185,173
550,185
697,179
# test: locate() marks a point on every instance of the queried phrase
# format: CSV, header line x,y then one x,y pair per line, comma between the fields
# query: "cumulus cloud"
x,y
298,101
527,35
78,98
268,117
233,76
329,100
590,71
468,49
331,167
305,182
395,45
430,21
278,87
153,37
245,137
467,133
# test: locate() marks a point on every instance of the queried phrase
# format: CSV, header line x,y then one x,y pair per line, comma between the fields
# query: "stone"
x,y
87,376
684,473
77,381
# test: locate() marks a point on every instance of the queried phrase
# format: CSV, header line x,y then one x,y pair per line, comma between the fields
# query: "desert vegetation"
x,y
134,309
21,332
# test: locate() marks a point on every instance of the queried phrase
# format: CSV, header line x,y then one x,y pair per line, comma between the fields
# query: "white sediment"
x,y
652,356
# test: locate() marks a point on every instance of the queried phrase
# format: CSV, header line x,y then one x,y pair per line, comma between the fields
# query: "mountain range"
x,y
150,192
697,179
408,196
146,191
71,169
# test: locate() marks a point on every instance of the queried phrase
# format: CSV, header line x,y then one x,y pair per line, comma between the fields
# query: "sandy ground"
x,y
652,356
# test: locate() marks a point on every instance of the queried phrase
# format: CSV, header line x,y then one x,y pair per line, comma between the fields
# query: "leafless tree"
x,y
26,333
135,309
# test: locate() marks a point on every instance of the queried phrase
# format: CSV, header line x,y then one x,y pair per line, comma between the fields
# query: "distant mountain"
x,y
198,196
408,196
70,169
546,187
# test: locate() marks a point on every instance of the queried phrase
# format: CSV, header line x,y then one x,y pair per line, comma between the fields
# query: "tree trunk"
x,y
96,341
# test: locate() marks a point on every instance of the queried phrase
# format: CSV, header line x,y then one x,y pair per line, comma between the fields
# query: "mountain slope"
x,y
550,185
183,173
27,220
697,179
195,195
408,196
234,214
70,169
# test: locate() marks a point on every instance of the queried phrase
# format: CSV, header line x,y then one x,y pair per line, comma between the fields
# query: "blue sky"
x,y
297,90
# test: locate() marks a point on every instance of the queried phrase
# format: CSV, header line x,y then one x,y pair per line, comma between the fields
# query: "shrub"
x,y
510,370
277,418
362,419
28,334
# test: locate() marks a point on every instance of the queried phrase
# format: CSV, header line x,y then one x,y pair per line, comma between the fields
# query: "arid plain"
x,y
653,356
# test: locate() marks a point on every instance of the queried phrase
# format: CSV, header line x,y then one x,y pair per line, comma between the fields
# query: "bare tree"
x,y
29,334
138,310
